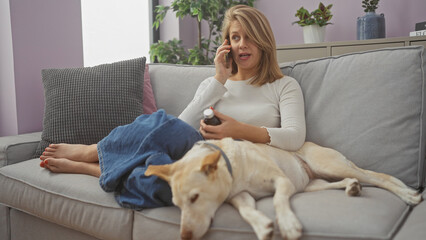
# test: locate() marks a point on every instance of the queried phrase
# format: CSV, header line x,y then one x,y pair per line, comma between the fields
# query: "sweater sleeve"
x,y
208,94
292,133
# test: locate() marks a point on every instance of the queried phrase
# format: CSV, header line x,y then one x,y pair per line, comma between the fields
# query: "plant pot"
x,y
371,26
313,34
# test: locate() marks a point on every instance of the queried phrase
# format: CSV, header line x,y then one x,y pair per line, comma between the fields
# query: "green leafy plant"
x,y
210,11
370,5
169,52
320,16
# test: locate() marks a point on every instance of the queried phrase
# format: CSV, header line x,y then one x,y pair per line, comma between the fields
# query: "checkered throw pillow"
x,y
82,105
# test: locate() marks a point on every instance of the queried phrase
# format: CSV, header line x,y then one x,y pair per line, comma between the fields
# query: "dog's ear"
x,y
161,171
209,164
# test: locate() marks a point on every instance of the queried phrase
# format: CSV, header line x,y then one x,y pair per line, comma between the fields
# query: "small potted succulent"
x,y
370,5
371,25
314,22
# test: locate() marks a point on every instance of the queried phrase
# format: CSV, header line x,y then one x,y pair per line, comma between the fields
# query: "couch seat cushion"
x,y
330,214
415,226
72,200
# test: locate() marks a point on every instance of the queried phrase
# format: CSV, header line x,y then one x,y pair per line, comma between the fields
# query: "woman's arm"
x,y
210,90
292,133
208,93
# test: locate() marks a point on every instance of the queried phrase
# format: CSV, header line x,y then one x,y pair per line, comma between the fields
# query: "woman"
x,y
265,106
254,101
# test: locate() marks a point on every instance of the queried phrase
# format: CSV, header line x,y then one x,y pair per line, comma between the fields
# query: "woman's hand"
x,y
228,128
223,70
234,129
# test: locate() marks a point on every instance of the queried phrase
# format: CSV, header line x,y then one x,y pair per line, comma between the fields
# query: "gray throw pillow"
x,y
82,105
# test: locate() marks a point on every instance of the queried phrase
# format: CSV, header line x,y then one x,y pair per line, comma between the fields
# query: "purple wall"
x,y
400,17
45,34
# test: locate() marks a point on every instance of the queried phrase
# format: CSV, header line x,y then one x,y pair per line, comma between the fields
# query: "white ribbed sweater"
x,y
277,106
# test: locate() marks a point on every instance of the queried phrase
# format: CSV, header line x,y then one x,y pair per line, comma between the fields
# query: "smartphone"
x,y
228,55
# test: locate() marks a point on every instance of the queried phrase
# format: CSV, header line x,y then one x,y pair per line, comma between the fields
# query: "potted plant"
x,y
314,22
371,25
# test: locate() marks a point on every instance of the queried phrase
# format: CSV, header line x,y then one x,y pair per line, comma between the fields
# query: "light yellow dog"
x,y
202,180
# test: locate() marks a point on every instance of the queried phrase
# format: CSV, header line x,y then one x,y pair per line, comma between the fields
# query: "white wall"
x,y
8,115
114,30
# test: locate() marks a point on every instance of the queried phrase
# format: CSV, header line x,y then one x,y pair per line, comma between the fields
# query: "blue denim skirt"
x,y
128,150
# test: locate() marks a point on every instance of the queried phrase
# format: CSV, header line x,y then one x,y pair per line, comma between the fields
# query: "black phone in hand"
x,y
228,55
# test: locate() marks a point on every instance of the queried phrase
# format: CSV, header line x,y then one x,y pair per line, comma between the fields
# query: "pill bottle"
x,y
210,118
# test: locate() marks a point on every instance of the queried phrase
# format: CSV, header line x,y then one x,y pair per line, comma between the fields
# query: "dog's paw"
x,y
263,227
268,232
353,187
265,231
411,197
290,228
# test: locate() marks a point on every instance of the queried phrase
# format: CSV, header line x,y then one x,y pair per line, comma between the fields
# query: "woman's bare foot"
x,y
75,152
63,165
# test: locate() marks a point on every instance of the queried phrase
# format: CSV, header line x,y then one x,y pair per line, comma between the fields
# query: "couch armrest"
x,y
14,149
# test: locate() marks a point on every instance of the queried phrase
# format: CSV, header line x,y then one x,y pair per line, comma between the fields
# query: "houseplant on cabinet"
x,y
314,22
371,25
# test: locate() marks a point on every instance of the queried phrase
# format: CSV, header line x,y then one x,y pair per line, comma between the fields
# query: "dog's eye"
x,y
194,198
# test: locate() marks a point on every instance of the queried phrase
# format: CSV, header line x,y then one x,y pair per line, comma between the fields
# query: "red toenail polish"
x,y
42,164
46,162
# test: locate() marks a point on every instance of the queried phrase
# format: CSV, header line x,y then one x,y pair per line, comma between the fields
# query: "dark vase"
x,y
370,26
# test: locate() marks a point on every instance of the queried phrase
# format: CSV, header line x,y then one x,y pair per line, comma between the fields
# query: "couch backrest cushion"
x,y
370,107
174,86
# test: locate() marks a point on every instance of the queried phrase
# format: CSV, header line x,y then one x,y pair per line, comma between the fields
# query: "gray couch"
x,y
370,106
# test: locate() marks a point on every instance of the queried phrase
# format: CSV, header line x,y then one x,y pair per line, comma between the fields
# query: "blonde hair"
x,y
257,28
